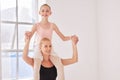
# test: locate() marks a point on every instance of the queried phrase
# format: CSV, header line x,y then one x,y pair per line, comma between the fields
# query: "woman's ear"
x,y
40,48
50,12
39,12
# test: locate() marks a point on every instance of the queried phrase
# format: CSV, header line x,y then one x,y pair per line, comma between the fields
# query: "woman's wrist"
x,y
69,37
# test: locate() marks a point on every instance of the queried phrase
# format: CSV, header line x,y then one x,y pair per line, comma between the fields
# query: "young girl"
x,y
50,64
44,28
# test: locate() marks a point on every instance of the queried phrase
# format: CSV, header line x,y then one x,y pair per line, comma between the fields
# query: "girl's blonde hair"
x,y
45,5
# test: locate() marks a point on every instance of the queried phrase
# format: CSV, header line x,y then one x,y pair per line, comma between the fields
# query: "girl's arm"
x,y
25,56
31,33
64,38
74,58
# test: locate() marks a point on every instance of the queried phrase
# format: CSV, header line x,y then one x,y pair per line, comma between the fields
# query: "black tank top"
x,y
48,73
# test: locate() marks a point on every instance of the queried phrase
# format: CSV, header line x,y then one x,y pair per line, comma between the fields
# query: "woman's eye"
x,y
42,10
50,46
45,46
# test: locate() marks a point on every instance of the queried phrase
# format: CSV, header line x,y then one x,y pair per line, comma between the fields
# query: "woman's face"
x,y
46,47
45,11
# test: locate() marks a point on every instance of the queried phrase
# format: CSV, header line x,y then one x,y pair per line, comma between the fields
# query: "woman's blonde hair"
x,y
43,40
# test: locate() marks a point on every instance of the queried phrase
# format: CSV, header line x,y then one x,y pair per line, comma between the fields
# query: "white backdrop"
x,y
77,17
97,23
108,13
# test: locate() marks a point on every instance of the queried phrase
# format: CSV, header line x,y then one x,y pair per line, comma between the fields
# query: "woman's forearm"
x,y
25,50
75,52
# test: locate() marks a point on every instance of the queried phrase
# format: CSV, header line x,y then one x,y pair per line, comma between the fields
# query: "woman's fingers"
x,y
28,33
74,39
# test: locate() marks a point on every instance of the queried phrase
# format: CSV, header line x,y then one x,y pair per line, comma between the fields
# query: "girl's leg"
x,y
37,62
37,52
37,65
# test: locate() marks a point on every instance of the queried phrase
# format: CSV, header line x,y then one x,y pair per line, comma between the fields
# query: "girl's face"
x,y
45,11
46,47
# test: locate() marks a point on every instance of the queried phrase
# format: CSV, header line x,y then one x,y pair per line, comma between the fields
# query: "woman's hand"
x,y
28,34
74,39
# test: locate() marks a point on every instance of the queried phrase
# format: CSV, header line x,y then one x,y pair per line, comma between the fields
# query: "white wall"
x,y
77,17
109,39
97,62
0,45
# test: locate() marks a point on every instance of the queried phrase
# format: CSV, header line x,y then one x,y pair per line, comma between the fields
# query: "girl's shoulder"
x,y
53,25
36,24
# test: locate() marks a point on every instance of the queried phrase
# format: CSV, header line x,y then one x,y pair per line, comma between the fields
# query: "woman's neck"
x,y
46,58
46,61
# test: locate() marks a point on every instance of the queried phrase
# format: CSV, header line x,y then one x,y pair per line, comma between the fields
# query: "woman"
x,y
48,70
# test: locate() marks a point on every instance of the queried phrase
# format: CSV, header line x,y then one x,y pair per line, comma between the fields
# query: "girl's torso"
x,y
42,32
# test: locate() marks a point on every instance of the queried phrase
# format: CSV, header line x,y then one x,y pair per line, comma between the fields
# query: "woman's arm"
x,y
64,38
25,56
74,58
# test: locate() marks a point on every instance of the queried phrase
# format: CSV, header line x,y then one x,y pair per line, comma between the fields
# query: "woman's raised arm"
x,y
74,58
25,56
